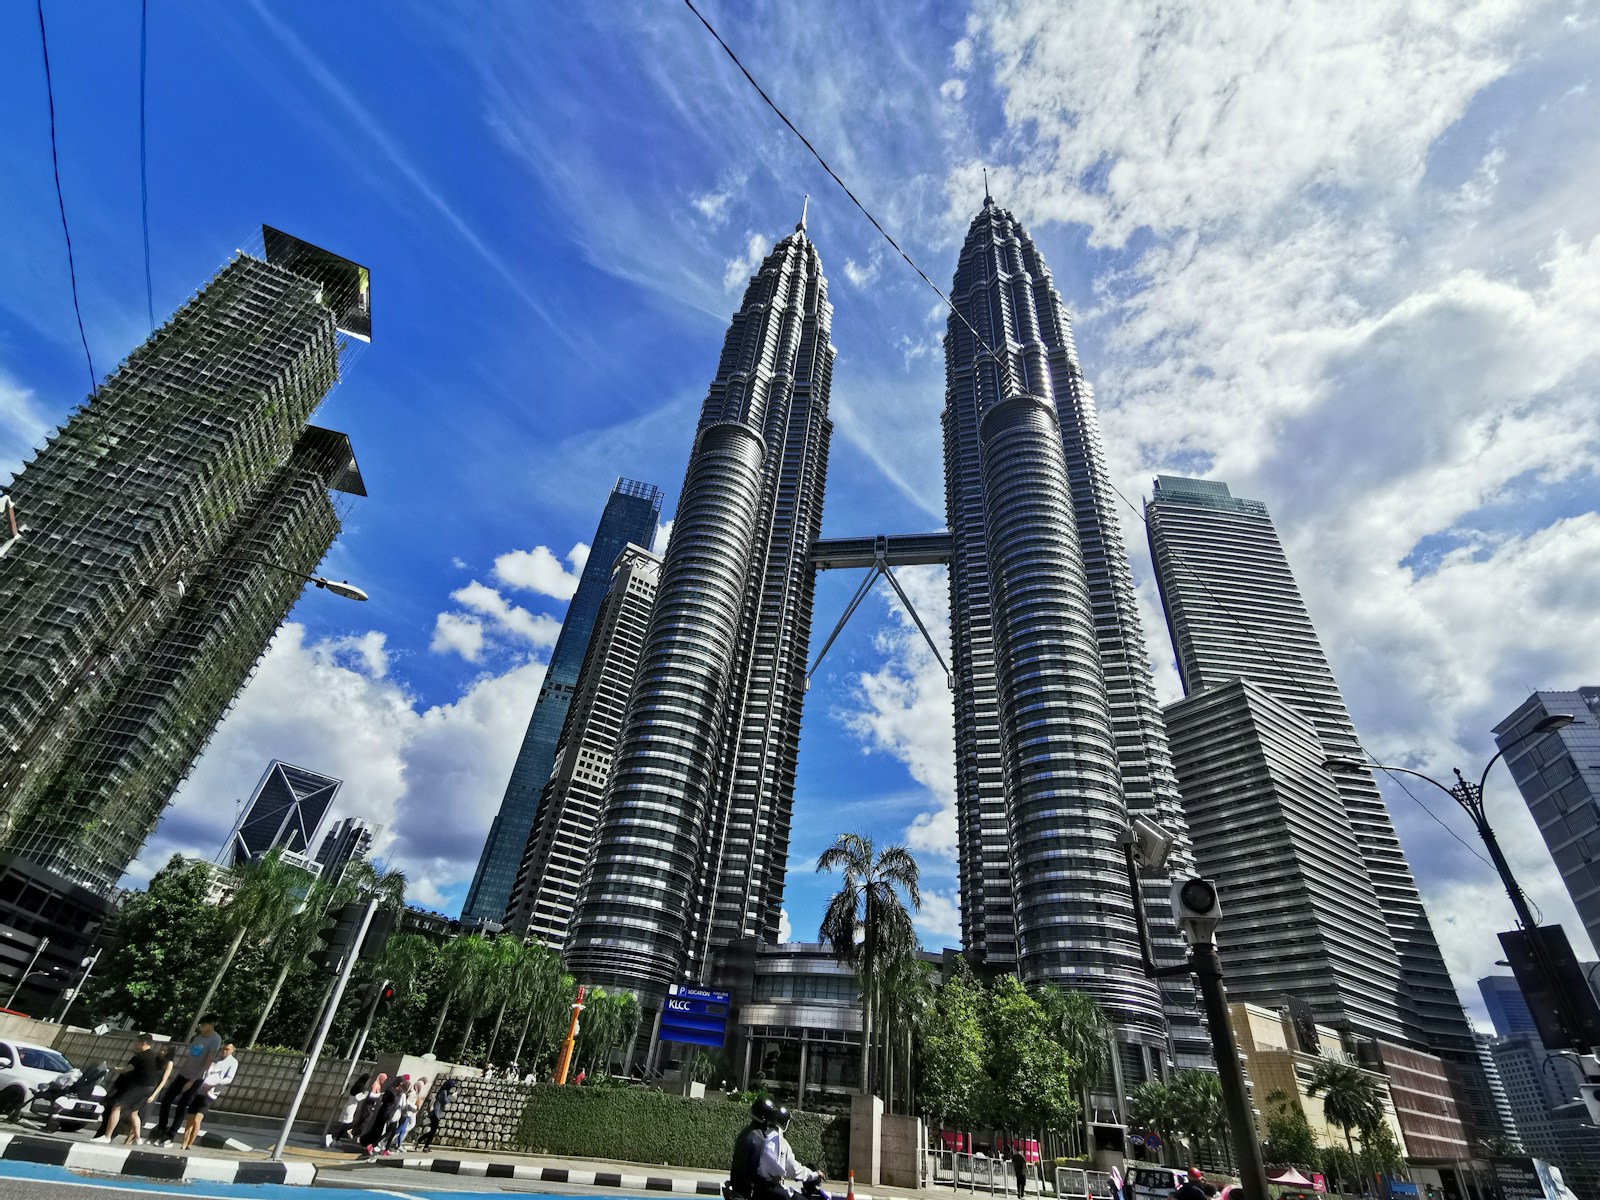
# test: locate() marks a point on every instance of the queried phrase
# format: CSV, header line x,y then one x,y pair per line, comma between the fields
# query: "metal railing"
x,y
960,1170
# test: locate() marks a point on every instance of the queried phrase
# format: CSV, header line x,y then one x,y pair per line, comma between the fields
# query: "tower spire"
x,y
987,199
804,204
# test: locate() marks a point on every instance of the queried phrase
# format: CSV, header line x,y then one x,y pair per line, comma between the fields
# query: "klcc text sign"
x,y
695,1015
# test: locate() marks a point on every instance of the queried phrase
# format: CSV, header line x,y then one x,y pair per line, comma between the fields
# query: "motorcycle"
x,y
72,1099
812,1190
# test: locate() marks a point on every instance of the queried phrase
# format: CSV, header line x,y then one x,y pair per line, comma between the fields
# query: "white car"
x,y
29,1065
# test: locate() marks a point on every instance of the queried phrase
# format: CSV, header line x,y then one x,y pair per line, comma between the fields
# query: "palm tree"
x,y
1197,1099
503,980
1085,1033
267,892
540,988
294,939
1351,1097
1153,1106
865,922
367,879
462,960
905,996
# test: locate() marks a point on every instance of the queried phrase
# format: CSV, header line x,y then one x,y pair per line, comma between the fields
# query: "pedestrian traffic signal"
x,y
340,939
1197,908
386,996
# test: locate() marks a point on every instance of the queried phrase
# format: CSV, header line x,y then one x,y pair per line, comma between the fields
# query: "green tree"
x,y
267,892
295,938
543,997
1380,1149
866,923
954,1051
1030,1074
1289,1139
1351,1098
1197,1101
1078,1023
461,962
162,944
502,981
1153,1108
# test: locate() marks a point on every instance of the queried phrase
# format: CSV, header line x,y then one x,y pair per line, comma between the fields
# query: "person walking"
x,y
410,1103
135,1085
218,1076
436,1110
357,1110
190,1067
1195,1187
383,1115
1019,1167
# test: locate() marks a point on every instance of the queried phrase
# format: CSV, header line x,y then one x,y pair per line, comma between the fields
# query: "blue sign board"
x,y
695,1016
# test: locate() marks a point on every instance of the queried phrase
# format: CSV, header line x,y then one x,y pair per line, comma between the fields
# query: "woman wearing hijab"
x,y
357,1110
384,1114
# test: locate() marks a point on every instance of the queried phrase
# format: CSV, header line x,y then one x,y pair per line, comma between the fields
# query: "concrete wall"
x,y
901,1156
264,1087
483,1115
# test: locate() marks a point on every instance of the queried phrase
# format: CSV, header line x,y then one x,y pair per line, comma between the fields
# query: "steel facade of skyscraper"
x,y
285,811
1235,612
1558,775
569,806
693,840
630,515
1058,735
137,601
1059,738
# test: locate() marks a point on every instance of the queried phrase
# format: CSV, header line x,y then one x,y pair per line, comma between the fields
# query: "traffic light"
x,y
1197,908
380,994
386,996
340,939
372,946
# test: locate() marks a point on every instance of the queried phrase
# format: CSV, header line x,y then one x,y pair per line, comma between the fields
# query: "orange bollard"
x,y
850,1188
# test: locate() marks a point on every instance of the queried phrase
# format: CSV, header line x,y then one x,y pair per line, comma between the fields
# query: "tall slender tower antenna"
x,y
987,199
804,204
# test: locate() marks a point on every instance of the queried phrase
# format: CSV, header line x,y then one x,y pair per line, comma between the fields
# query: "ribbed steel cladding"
x,y
633,916
1066,808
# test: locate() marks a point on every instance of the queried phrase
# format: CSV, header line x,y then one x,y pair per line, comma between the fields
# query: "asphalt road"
x,y
28,1181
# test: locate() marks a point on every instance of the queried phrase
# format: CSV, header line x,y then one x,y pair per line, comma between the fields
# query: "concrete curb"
x,y
128,1160
537,1174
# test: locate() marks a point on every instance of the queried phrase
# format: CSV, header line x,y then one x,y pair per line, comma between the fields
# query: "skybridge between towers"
x,y
879,554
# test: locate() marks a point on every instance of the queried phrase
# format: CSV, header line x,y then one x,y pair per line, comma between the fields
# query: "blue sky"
x,y
1345,260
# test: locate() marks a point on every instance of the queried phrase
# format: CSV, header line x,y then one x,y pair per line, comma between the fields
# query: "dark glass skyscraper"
x,y
693,837
285,811
164,525
1059,740
630,515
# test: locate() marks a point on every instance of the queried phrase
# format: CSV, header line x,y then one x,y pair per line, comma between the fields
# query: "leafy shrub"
x,y
645,1126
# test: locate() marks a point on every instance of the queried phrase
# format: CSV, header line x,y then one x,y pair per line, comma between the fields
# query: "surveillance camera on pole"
x,y
1152,845
1197,909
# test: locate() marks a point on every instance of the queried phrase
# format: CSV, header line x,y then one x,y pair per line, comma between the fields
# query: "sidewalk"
x,y
80,1154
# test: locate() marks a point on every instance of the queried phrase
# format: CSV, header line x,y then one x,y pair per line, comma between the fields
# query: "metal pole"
x,y
83,981
361,1042
328,1013
1252,1169
28,970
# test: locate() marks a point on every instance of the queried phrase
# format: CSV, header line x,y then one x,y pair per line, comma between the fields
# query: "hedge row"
x,y
645,1126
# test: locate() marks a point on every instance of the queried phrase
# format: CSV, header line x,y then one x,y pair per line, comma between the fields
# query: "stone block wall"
x,y
483,1114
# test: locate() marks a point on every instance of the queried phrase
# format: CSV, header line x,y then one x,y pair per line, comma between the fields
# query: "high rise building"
x,y
1545,1089
1506,1123
164,527
1506,1005
693,838
1558,774
349,839
558,848
1059,739
630,516
1269,828
1235,612
284,812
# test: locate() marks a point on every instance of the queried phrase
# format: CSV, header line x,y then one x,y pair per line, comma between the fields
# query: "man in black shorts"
x,y
132,1088
218,1076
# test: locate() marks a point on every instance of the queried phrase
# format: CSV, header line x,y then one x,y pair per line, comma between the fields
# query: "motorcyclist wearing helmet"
x,y
778,1163
749,1148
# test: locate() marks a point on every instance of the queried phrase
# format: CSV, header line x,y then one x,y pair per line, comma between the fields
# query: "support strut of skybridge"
x,y
879,555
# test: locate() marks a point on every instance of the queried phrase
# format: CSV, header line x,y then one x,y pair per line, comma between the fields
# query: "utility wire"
x,y
834,175
1005,366
144,177
55,162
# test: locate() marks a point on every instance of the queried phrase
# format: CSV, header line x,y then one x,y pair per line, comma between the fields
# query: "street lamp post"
x,y
28,970
1469,796
83,981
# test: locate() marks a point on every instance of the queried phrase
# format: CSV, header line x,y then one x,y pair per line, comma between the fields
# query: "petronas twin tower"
x,y
1058,736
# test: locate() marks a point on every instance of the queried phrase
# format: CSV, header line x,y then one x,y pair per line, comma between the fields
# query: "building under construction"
x,y
163,534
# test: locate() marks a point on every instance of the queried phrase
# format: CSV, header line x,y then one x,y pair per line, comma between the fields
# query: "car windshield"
x,y
41,1059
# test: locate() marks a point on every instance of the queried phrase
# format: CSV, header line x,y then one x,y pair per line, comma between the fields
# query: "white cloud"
x,y
536,629
785,930
713,205
738,270
22,425
859,275
327,705
538,570
940,918
459,634
954,90
663,535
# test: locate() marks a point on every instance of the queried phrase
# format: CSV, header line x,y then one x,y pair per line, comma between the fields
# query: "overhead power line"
x,y
55,163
